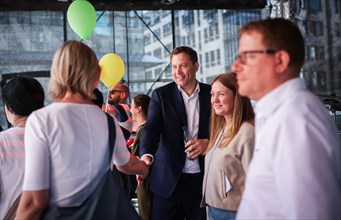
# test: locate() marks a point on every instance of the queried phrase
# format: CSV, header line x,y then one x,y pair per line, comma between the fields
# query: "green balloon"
x,y
81,16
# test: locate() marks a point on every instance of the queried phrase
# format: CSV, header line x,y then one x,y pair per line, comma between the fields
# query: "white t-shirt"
x,y
67,151
12,164
295,170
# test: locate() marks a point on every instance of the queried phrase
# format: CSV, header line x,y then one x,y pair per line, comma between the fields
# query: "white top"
x,y
295,170
12,164
67,151
192,111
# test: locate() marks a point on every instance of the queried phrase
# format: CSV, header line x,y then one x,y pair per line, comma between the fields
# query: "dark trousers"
x,y
184,203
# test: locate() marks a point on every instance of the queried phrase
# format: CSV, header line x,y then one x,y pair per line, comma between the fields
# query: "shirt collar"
x,y
196,91
271,101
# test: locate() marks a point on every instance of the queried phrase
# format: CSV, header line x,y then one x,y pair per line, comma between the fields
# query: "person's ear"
x,y
139,109
282,61
196,66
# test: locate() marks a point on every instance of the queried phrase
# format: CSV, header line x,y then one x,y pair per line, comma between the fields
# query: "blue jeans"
x,y
221,214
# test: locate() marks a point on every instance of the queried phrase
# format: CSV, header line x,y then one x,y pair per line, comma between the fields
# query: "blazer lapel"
x,y
179,105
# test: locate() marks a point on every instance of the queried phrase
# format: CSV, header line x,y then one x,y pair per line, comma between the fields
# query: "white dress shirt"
x,y
192,111
295,170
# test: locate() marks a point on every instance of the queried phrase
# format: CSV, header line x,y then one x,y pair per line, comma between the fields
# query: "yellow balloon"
x,y
112,69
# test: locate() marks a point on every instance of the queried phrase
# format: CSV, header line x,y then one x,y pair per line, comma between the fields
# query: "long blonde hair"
x,y
242,112
75,69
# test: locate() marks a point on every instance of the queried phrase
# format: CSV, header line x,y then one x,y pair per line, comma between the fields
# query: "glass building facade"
x,y
144,40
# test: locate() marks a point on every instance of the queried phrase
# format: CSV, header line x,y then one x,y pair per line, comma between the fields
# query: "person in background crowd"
x,y
174,138
116,105
230,149
295,170
21,96
67,142
139,111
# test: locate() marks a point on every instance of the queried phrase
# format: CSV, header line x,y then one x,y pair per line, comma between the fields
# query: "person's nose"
x,y
236,67
214,99
177,70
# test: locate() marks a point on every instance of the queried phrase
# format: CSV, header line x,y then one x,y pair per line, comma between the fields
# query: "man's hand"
x,y
147,161
196,147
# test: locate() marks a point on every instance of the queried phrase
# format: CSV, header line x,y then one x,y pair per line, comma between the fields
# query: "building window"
x,y
337,30
167,30
157,53
183,40
157,32
210,15
336,6
338,55
212,58
315,53
206,35
314,28
218,57
320,53
165,13
187,17
165,52
314,6
216,26
157,72
311,53
199,35
147,39
207,59
193,40
319,28
149,75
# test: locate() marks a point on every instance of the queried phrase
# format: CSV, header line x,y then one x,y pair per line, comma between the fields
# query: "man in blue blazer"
x,y
174,138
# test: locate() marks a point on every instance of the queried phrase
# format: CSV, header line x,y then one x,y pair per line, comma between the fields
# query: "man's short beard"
x,y
111,102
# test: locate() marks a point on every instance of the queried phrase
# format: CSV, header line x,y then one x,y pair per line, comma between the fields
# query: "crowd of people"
x,y
199,151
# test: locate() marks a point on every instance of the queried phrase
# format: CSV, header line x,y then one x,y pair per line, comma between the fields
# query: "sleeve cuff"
x,y
149,155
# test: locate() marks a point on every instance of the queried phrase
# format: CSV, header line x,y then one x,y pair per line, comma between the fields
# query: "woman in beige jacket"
x,y
230,149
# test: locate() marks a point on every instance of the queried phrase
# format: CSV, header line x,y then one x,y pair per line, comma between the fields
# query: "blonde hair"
x,y
242,112
74,69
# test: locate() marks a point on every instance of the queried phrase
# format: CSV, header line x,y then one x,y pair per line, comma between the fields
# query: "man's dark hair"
x,y
192,54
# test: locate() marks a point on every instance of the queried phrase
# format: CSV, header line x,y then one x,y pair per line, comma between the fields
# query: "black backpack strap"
x,y
121,178
112,135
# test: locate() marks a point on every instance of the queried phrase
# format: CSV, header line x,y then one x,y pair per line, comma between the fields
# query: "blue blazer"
x,y
162,135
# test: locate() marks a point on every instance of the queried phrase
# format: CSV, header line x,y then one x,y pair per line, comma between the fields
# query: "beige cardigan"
x,y
230,162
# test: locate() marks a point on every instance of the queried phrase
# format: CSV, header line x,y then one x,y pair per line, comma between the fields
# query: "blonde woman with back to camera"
x,y
230,148
67,142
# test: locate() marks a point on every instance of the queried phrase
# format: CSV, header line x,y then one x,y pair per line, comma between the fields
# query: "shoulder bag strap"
x,y
112,135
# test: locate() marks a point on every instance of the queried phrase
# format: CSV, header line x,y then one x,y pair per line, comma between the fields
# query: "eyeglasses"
x,y
113,91
242,56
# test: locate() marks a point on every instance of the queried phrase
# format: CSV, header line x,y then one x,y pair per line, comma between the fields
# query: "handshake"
x,y
147,161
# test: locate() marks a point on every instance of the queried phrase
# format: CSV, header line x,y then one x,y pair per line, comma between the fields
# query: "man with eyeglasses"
x,y
295,170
